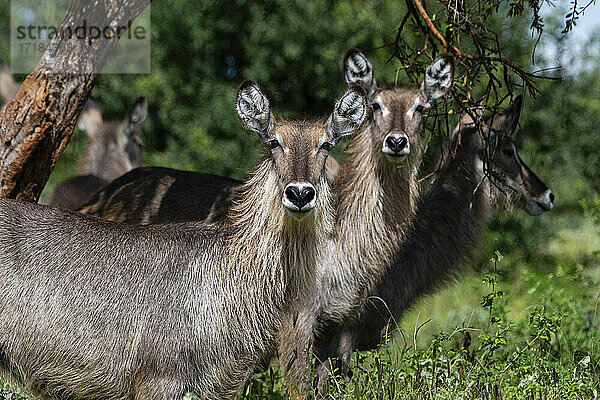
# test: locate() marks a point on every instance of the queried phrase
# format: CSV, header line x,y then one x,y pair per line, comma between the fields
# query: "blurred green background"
x,y
202,51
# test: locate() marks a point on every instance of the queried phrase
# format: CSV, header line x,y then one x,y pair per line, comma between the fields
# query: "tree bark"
x,y
35,127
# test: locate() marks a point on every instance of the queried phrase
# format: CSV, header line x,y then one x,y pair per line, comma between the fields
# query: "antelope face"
x,y
397,116
512,183
397,111
299,148
114,146
129,141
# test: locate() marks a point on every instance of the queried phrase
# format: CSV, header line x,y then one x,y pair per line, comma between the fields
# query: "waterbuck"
x,y
376,194
482,170
377,190
94,309
113,149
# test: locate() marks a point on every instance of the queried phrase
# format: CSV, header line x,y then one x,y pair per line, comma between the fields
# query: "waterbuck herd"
x,y
181,282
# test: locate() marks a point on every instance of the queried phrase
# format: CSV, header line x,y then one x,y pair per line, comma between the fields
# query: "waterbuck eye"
x,y
273,143
376,106
327,146
420,108
509,152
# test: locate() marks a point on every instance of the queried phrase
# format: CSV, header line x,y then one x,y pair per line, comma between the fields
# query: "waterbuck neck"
x,y
375,197
265,232
463,170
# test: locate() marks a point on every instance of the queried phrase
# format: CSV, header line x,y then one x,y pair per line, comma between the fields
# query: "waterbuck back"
x,y
113,149
94,309
482,170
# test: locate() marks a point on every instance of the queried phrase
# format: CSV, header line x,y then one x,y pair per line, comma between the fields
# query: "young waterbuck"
x,y
482,170
377,191
376,194
114,148
94,309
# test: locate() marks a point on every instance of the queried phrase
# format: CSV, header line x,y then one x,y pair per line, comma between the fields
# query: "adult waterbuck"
x,y
376,194
481,171
94,309
113,149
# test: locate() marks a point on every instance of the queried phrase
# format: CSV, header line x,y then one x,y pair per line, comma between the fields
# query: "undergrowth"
x,y
550,351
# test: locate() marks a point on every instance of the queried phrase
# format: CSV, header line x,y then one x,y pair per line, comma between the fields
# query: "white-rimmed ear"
x,y
348,114
438,79
253,110
137,116
358,71
90,119
506,122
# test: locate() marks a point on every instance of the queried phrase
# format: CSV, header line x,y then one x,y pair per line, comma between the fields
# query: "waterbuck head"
x,y
114,147
397,111
512,184
299,148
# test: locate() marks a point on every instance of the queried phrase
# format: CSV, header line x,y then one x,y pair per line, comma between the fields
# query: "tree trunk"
x,y
35,127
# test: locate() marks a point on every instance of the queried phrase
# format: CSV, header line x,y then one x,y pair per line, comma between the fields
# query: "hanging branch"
x,y
436,33
484,77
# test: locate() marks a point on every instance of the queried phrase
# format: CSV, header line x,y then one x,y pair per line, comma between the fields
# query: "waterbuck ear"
x,y
137,116
253,110
90,119
438,79
358,71
506,123
467,118
349,112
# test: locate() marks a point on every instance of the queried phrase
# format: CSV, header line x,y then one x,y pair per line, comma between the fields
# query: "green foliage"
x,y
548,351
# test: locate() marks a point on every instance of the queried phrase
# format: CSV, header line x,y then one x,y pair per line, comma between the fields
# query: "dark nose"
x,y
396,144
300,197
551,197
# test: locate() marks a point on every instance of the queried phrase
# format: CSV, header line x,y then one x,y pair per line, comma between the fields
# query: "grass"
x,y
496,349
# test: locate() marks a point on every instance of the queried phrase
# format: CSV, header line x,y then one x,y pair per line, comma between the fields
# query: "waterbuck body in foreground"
x,y
113,149
376,193
482,169
94,309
